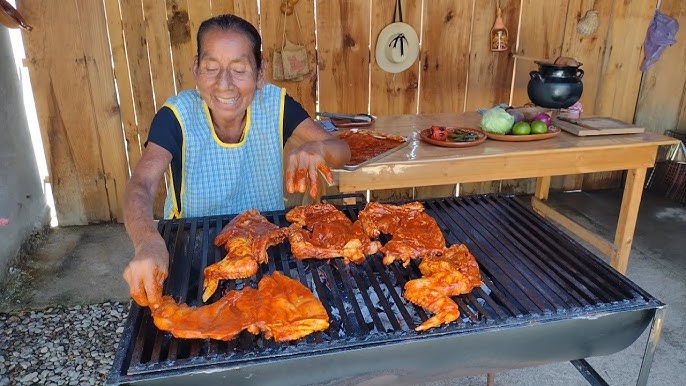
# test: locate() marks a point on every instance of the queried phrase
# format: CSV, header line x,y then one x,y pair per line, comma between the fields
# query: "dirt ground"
x,y
68,266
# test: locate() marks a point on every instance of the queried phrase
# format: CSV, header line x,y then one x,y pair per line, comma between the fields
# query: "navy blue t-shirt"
x,y
165,131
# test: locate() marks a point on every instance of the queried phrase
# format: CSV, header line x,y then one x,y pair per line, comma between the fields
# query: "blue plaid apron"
x,y
221,178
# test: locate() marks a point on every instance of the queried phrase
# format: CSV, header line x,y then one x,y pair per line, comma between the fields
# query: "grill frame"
x,y
546,299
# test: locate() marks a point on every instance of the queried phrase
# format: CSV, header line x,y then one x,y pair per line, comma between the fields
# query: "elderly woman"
x,y
223,143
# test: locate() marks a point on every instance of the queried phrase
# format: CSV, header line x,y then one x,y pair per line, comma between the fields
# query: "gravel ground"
x,y
60,346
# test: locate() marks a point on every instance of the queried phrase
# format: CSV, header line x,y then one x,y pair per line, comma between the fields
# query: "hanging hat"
x,y
397,47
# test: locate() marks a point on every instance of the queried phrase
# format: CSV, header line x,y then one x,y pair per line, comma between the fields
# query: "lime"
x,y
538,127
521,128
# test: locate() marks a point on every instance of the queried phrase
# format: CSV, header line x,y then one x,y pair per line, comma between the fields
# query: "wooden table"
x,y
422,164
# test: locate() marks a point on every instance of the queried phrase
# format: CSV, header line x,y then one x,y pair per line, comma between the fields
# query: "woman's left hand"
x,y
304,163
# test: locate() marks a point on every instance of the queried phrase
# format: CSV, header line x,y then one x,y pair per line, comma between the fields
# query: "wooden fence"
x,y
101,69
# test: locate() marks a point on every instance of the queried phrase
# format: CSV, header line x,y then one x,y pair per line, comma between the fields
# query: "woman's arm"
x,y
149,266
315,151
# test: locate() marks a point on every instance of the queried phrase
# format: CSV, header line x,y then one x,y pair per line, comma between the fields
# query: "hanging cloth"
x,y
660,35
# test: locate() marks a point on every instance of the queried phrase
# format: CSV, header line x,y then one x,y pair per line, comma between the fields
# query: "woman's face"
x,y
226,74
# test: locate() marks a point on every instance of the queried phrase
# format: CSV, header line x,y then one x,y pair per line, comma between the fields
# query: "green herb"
x,y
462,136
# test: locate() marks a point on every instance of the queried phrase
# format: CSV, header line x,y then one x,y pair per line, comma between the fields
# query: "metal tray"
x,y
377,157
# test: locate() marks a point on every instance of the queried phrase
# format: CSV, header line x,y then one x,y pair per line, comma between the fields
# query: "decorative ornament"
x,y
499,33
588,24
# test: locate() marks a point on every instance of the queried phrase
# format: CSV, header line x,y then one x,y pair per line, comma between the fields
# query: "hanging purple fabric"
x,y
660,35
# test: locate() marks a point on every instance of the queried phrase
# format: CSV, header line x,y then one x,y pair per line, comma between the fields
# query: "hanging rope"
x,y
400,39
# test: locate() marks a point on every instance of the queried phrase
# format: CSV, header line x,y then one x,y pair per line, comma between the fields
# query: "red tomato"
x,y
438,133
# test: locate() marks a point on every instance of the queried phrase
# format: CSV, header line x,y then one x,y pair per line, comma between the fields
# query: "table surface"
x,y
492,160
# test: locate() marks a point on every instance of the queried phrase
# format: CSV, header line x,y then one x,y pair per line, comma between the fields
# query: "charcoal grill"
x,y
545,299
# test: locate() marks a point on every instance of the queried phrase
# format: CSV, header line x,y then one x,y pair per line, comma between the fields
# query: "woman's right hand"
x,y
147,271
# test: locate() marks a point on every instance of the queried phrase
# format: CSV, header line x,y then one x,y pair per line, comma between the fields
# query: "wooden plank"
x,y
343,58
122,75
662,86
589,50
604,246
596,126
445,62
105,110
620,69
444,66
628,214
468,188
621,74
393,94
140,72
272,19
540,38
161,72
159,50
139,64
198,11
57,64
248,10
222,7
178,23
490,73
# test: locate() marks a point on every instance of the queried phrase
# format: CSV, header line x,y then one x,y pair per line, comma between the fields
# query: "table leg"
x,y
542,188
628,214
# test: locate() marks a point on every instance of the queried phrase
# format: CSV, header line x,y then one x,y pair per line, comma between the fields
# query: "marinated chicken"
x,y
246,238
321,231
221,320
414,234
288,310
280,307
455,272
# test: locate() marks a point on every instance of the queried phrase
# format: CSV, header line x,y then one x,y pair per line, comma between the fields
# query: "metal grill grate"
x,y
533,274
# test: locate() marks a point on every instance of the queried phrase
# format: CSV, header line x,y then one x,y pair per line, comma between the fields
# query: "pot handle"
x,y
536,75
580,73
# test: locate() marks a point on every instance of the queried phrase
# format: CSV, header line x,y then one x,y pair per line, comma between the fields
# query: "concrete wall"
x,y
21,195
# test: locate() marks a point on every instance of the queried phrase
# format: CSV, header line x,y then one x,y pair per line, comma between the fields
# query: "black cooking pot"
x,y
555,86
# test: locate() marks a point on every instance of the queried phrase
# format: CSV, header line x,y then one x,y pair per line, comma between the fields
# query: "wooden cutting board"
x,y
596,126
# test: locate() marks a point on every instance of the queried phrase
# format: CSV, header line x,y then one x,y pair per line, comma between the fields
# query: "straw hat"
x,y
397,47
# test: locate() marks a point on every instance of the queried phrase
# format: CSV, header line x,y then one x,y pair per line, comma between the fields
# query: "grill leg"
x,y
592,376
653,338
490,379
589,372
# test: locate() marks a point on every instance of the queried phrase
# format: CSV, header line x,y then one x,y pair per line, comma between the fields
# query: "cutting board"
x,y
596,126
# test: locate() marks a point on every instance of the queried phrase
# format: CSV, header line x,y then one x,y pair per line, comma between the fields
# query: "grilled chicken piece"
x,y
288,309
414,234
456,272
321,231
221,320
246,238
281,307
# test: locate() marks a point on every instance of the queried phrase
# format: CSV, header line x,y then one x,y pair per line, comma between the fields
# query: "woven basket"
x,y
669,177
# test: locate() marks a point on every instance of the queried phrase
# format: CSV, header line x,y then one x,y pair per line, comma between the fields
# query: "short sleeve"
x,y
165,131
293,115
